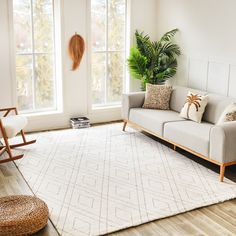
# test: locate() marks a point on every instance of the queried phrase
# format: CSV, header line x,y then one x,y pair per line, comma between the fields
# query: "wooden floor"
x,y
12,183
214,220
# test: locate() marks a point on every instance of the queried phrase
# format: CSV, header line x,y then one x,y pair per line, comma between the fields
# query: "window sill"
x,y
106,107
43,113
102,109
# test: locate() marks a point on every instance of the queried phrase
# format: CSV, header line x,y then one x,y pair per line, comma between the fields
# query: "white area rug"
x,y
101,179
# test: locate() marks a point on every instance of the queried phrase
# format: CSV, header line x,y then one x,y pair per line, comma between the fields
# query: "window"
x,y
35,55
108,38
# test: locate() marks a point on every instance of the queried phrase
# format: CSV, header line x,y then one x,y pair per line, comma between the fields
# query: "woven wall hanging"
x,y
76,50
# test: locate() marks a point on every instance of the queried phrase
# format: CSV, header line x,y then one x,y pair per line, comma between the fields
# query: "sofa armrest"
x,y
223,142
131,100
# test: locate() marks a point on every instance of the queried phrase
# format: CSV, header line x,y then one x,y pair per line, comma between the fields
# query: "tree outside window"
x,y
35,54
108,35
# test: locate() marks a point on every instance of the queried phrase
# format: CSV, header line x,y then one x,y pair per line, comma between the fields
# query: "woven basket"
x,y
22,215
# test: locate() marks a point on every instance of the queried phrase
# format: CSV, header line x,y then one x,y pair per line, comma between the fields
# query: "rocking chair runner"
x,y
10,126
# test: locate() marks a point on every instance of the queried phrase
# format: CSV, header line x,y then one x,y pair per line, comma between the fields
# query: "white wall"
x,y
207,37
143,18
75,84
5,71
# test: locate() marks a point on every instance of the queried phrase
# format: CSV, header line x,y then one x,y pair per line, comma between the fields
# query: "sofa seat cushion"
x,y
153,120
195,136
13,125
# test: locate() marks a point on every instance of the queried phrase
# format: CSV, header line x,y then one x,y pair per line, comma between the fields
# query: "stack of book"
x,y
79,122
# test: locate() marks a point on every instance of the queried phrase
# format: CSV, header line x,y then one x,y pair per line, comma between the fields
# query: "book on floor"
x,y
80,122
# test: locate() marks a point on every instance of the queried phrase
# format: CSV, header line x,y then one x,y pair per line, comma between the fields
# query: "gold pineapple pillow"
x,y
194,107
157,97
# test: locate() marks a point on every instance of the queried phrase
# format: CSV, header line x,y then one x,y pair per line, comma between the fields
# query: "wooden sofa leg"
x,y
222,172
124,125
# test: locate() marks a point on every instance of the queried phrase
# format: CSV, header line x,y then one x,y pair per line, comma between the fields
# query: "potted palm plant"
x,y
153,62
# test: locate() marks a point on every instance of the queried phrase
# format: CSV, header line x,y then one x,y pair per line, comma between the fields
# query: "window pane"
x,y
35,64
98,77
43,6
108,24
116,24
44,85
115,77
43,25
24,67
98,24
22,25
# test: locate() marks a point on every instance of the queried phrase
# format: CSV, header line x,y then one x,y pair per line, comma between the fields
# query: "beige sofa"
x,y
215,143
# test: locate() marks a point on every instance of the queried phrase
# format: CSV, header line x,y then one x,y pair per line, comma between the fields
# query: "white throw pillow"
x,y
229,114
194,107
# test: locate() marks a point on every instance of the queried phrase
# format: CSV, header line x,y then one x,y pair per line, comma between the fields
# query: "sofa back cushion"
x,y
178,97
215,107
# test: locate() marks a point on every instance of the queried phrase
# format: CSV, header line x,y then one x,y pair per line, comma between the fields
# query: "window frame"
x,y
56,54
106,52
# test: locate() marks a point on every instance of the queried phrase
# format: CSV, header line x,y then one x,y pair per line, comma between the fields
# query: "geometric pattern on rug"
x,y
101,179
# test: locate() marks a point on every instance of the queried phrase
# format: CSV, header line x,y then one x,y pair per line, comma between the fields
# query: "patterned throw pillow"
x,y
157,97
229,114
194,107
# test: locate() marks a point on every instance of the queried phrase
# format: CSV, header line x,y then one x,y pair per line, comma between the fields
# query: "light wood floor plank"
x,y
210,221
12,183
219,220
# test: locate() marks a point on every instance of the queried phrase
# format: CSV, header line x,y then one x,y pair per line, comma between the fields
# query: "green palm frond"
x,y
144,45
170,49
154,62
137,63
140,37
169,35
166,74
168,62
166,70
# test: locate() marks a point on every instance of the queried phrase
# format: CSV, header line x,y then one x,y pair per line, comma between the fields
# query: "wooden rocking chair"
x,y
10,126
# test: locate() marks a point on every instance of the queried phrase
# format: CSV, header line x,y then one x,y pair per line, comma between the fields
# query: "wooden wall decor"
x,y
76,50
